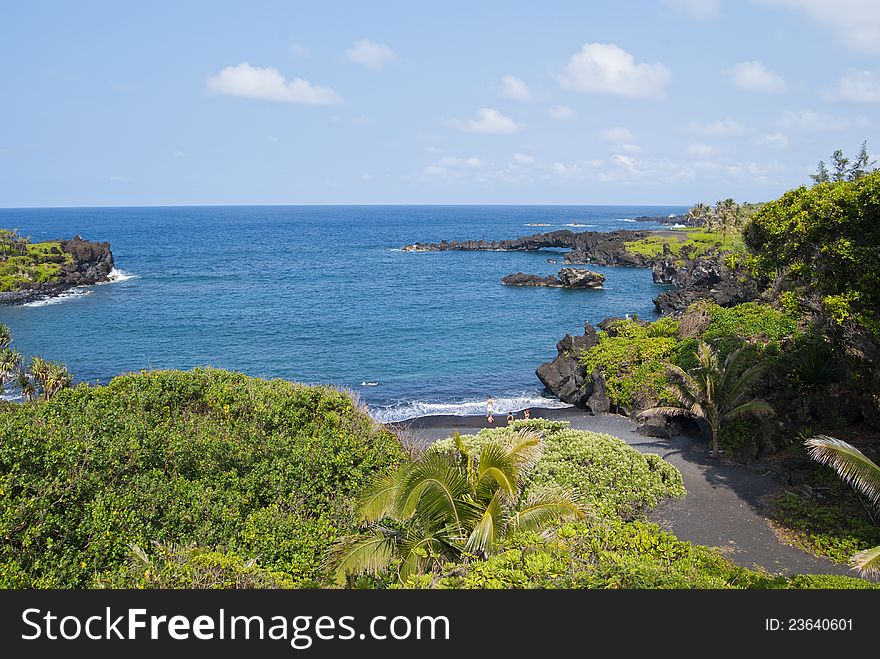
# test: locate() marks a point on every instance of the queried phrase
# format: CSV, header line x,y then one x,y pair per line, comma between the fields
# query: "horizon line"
x,y
86,206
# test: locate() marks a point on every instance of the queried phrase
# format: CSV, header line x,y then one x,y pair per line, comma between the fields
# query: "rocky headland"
x,y
696,270
74,262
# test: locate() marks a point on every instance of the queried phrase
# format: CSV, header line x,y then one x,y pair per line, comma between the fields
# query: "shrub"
x,y
208,458
610,476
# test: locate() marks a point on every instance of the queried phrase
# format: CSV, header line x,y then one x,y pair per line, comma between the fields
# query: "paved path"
x,y
721,509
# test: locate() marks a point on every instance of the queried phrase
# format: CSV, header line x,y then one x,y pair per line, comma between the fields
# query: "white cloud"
x,y
719,128
601,68
700,149
562,113
855,23
268,84
523,159
755,77
449,161
514,88
773,140
370,55
810,121
856,87
616,135
699,9
489,122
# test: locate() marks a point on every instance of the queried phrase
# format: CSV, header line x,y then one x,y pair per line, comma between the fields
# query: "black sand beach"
x,y
723,505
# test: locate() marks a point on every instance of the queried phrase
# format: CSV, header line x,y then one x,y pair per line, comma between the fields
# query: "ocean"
x,y
323,294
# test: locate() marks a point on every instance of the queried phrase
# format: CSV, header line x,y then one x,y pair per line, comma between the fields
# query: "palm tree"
x,y
10,360
446,505
714,392
52,377
701,214
864,475
5,336
26,384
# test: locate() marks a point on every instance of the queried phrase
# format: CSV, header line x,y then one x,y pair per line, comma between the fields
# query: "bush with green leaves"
x,y
633,361
606,473
824,241
609,553
208,458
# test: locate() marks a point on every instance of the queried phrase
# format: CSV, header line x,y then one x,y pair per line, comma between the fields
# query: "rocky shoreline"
x,y
571,278
694,277
92,263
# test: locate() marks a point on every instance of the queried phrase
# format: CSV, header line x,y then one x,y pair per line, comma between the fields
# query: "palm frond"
x,y
526,447
499,466
543,508
850,463
756,408
380,500
371,554
667,410
867,562
434,485
482,538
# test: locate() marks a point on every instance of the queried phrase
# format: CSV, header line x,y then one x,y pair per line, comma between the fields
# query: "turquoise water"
x,y
322,294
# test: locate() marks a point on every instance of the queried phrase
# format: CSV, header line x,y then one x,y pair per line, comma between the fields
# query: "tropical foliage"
x,y
824,241
863,475
23,263
451,504
715,392
210,460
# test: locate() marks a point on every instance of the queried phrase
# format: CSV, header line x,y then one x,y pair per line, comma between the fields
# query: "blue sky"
x,y
656,101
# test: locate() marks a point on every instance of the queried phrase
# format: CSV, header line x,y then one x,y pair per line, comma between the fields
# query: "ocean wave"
x,y
578,224
416,409
679,226
625,219
538,224
58,299
117,276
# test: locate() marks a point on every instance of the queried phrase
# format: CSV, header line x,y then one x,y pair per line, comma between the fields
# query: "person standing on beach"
x,y
509,418
490,408
527,414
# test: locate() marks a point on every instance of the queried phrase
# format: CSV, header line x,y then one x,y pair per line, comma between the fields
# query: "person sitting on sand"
x,y
490,407
509,418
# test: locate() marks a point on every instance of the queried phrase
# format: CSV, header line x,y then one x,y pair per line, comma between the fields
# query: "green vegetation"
x,y
843,168
23,264
218,462
606,474
824,241
691,243
632,358
752,321
609,553
857,470
453,503
715,392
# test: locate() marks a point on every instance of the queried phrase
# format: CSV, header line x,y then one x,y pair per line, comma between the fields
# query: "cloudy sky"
x,y
655,101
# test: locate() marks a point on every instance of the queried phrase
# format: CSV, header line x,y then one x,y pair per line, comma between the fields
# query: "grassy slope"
x,y
41,264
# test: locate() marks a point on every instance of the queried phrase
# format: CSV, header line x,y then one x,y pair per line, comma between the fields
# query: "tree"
x,y
51,377
714,392
823,242
861,165
10,361
821,175
726,213
701,214
862,474
840,163
446,505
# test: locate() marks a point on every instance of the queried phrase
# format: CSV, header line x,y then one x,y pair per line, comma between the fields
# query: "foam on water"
x,y
578,224
72,294
625,219
416,409
117,276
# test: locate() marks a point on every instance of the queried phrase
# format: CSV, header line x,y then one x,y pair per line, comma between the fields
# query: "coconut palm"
x,y
714,392
701,214
862,474
448,504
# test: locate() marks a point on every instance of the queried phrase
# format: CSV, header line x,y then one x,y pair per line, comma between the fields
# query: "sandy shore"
x,y
723,507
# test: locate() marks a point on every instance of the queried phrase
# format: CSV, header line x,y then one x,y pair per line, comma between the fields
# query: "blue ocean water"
x,y
322,294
